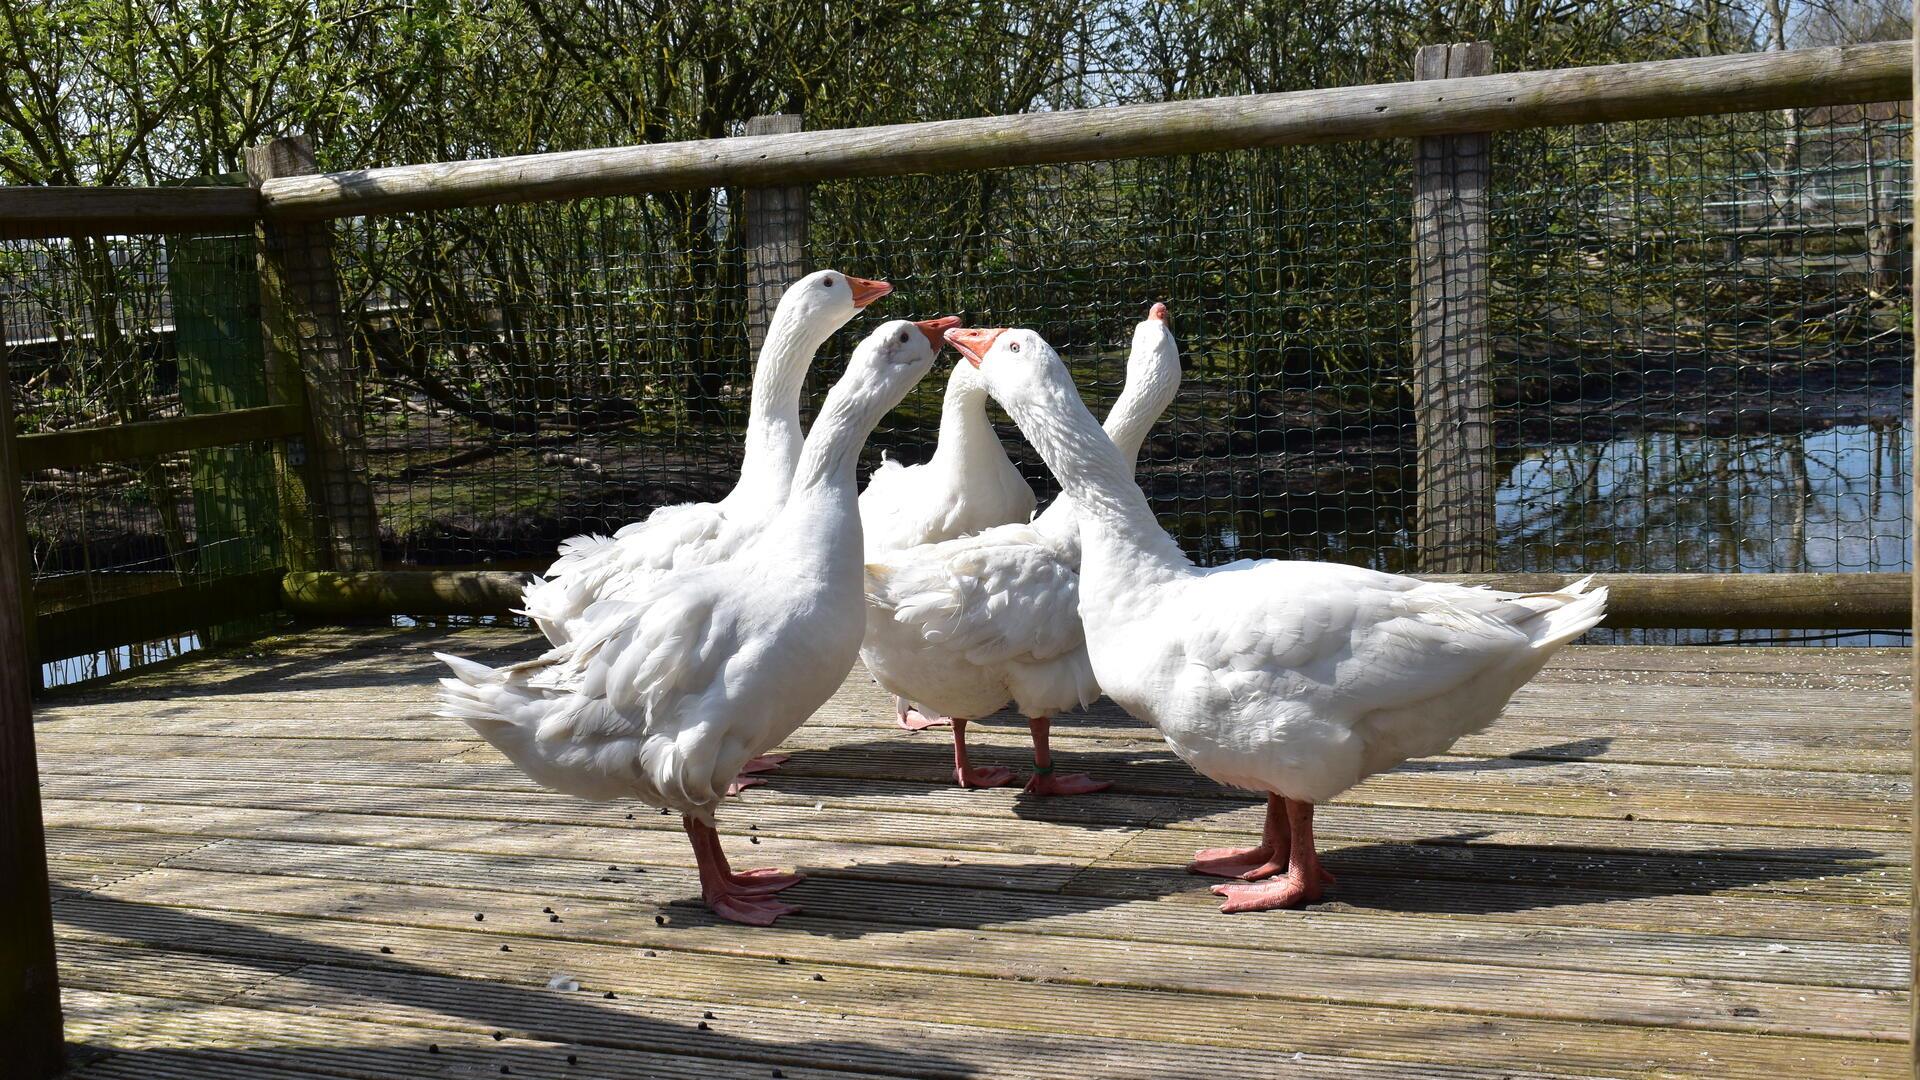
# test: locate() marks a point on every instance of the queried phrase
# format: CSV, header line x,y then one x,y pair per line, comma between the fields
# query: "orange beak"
x,y
1159,311
935,328
974,343
865,291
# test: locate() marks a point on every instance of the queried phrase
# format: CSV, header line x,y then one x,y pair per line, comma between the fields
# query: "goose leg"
x,y
1304,882
1254,863
912,718
1047,782
968,776
744,897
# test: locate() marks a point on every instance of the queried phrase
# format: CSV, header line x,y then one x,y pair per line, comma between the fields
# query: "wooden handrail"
x,y
1746,82
1727,601
28,213
78,448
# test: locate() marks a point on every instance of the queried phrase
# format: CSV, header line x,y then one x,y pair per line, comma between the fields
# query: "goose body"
x,y
964,626
1295,679
968,485
593,568
662,696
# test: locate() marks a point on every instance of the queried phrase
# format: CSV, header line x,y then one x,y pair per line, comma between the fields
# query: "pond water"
x,y
1833,499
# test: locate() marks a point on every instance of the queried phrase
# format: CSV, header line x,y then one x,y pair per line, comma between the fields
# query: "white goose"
x,y
591,568
662,698
1297,679
964,626
966,486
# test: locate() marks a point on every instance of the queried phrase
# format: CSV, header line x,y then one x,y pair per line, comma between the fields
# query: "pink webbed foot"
x,y
763,881
1052,783
1289,891
744,897
749,909
1246,864
991,776
913,719
763,763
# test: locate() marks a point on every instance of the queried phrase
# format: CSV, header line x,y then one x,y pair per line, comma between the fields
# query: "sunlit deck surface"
x,y
277,863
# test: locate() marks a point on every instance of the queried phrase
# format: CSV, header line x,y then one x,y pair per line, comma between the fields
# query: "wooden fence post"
x,y
1913,527
1452,356
775,236
327,514
29,985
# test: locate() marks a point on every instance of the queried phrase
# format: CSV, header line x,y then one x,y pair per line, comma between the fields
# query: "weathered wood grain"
x,y
1741,83
1813,601
28,213
1628,873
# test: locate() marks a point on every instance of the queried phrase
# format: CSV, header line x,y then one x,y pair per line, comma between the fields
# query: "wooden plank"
x,y
233,1042
326,497
1385,1035
1452,350
737,1034
151,616
1704,1007
1737,601
1811,601
28,213
403,592
77,448
776,236
1117,899
1111,896
1740,83
29,982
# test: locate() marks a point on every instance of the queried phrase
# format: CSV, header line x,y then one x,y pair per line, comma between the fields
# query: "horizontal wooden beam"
x,y
28,213
162,613
337,595
1747,82
1734,601
1729,601
78,448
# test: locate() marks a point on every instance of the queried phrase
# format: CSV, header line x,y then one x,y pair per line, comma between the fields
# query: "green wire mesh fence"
x,y
106,331
1699,345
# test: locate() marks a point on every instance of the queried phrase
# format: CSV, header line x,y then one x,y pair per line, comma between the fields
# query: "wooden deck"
x,y
278,864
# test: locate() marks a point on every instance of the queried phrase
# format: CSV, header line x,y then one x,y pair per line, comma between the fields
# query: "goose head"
x,y
1153,380
895,356
820,303
1008,359
1155,353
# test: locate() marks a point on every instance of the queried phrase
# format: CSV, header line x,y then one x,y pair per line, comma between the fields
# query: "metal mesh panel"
x,y
1286,274
1696,350
535,372
105,331
1705,344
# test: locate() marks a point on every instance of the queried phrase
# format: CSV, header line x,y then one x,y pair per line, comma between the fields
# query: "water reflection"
x,y
1832,501
1827,500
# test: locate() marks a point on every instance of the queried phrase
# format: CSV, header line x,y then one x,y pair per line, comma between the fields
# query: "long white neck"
x,y
1148,392
1118,532
821,518
773,419
967,438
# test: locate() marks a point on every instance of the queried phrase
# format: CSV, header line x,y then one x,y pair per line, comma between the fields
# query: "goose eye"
x,y
903,337
1013,346
826,283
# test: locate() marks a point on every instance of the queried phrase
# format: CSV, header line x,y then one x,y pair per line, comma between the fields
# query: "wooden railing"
x,y
327,514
